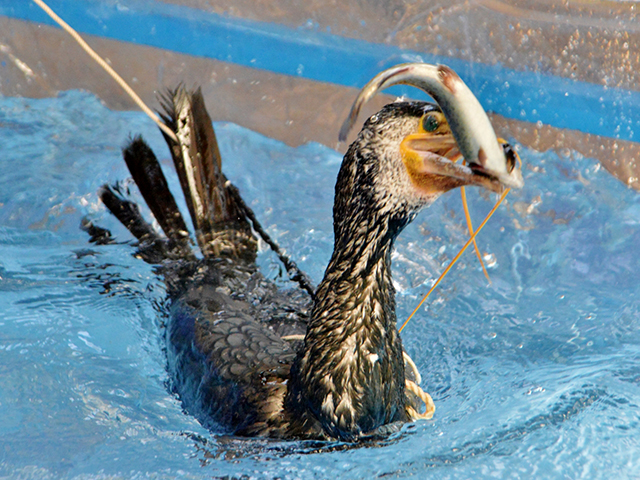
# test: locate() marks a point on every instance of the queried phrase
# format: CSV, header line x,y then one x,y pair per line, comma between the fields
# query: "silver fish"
x,y
467,119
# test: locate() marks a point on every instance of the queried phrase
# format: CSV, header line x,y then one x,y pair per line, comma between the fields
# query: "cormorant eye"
x,y
430,123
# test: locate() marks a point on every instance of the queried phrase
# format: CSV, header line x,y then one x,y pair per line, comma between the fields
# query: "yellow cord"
x,y
455,259
463,193
470,227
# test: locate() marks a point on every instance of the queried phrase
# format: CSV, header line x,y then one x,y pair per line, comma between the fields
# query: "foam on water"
x,y
535,374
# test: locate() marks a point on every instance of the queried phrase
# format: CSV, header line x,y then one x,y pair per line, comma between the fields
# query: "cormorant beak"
x,y
430,161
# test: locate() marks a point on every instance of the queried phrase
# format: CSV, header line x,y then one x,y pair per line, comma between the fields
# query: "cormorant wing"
x,y
234,367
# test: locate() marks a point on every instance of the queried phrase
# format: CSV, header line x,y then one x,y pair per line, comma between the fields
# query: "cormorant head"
x,y
409,153
404,157
465,118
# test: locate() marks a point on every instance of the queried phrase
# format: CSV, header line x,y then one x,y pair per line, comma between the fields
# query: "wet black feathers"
x,y
213,208
127,212
226,351
147,174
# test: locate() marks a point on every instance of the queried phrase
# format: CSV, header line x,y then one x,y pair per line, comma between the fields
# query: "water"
x,y
537,374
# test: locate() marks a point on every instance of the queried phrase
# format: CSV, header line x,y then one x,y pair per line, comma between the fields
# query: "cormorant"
x,y
325,363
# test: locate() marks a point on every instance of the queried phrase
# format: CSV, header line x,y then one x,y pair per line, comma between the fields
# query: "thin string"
x,y
455,259
463,193
65,26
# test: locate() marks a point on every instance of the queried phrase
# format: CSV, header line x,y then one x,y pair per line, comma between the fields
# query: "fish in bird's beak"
x,y
469,130
429,155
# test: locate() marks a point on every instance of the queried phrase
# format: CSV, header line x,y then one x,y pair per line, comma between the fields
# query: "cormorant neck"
x,y
359,270
350,374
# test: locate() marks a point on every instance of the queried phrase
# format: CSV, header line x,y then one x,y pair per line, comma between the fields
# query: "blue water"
x,y
537,374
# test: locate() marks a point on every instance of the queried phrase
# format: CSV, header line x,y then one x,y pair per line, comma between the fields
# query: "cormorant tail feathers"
x,y
127,212
220,221
225,226
153,248
147,174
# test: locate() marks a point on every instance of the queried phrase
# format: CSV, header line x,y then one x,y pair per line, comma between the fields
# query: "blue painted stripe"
x,y
320,56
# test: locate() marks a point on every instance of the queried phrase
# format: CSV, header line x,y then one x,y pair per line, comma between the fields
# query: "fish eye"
x,y
430,122
511,156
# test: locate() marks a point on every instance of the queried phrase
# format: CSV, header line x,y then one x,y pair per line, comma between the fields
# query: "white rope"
x,y
65,26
